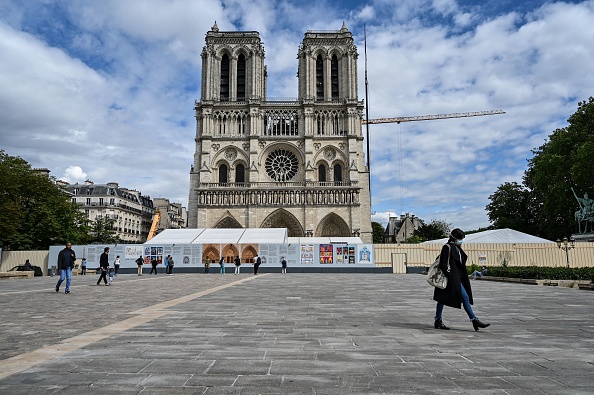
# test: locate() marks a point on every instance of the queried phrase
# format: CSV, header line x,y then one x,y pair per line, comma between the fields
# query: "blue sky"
x,y
105,90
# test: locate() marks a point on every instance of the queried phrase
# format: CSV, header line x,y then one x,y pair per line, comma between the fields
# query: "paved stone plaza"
x,y
290,334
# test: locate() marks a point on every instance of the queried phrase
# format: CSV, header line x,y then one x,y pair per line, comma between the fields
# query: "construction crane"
x,y
432,117
154,227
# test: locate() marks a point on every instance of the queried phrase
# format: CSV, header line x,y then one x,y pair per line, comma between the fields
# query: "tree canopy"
x,y
34,212
436,229
544,205
378,232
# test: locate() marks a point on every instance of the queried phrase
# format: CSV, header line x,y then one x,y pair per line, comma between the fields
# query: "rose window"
x,y
281,165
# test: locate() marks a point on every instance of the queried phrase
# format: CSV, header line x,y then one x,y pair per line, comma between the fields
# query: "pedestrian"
x,y
27,265
167,265
104,265
237,265
458,292
139,263
111,275
283,265
222,263
206,267
83,267
257,264
116,265
66,259
153,267
171,263
482,273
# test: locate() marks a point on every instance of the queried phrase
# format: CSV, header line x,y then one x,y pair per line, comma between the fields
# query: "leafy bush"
x,y
540,273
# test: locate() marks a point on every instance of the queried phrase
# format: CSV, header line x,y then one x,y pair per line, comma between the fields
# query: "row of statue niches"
x,y
584,216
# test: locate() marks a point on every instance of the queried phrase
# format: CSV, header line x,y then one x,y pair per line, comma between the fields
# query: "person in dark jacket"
x,y
257,264
66,259
171,264
104,265
458,292
237,265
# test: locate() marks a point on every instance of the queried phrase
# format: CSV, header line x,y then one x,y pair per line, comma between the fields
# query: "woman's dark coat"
x,y
452,295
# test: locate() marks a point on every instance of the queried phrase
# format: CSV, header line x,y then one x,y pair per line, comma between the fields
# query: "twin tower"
x,y
280,163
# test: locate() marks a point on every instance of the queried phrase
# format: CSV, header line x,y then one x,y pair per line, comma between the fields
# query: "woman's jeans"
x,y
465,303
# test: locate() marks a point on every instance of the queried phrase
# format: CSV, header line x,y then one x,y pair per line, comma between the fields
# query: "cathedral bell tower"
x,y
263,163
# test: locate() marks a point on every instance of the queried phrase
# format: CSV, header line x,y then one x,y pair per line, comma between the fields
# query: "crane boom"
x,y
432,117
153,232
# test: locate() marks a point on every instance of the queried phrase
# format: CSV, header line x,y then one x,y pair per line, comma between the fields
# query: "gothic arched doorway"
x,y
332,225
228,223
281,218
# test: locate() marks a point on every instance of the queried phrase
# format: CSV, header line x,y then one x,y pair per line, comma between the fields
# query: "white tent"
x,y
221,236
496,236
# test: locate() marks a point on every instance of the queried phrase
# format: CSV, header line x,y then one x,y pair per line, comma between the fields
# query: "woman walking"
x,y
458,293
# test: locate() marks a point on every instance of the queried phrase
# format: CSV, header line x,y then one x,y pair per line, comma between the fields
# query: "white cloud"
x,y
74,174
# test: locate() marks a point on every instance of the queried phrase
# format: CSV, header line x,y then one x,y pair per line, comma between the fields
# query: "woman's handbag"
x,y
435,276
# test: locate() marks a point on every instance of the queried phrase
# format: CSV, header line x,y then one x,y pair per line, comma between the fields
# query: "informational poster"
x,y
365,253
326,255
133,251
345,254
307,254
153,252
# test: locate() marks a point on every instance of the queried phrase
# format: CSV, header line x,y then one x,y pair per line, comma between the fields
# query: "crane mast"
x,y
431,117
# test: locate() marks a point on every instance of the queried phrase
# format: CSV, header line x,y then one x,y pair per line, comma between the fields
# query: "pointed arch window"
x,y
241,77
240,173
319,78
225,78
334,77
337,173
322,173
223,174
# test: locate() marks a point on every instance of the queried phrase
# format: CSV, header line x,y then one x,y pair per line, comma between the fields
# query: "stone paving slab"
x,y
290,334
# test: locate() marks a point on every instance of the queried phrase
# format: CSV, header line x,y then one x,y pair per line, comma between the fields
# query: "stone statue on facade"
x,y
585,212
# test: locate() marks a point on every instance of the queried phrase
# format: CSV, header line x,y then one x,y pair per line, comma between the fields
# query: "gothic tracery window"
x,y
322,173
239,173
334,77
223,174
281,165
241,77
224,93
319,78
337,173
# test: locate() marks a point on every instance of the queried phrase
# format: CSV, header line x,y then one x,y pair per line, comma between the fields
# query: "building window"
x,y
281,165
223,174
112,202
101,201
239,173
225,78
337,173
319,78
322,173
88,202
334,77
241,77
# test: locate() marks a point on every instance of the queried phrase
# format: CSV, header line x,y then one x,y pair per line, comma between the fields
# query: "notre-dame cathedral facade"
x,y
263,163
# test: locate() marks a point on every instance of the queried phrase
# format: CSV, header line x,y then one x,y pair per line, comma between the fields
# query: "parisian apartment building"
x,y
131,211
172,215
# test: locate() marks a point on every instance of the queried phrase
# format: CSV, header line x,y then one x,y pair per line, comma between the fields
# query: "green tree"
x,y
378,232
436,229
102,231
513,206
34,212
562,162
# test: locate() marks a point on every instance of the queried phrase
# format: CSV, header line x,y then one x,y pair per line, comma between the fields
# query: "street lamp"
x,y
565,246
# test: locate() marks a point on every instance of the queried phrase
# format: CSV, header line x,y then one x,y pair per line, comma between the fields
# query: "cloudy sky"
x,y
104,90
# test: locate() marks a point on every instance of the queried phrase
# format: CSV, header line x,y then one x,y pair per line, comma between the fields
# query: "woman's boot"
x,y
476,323
439,325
